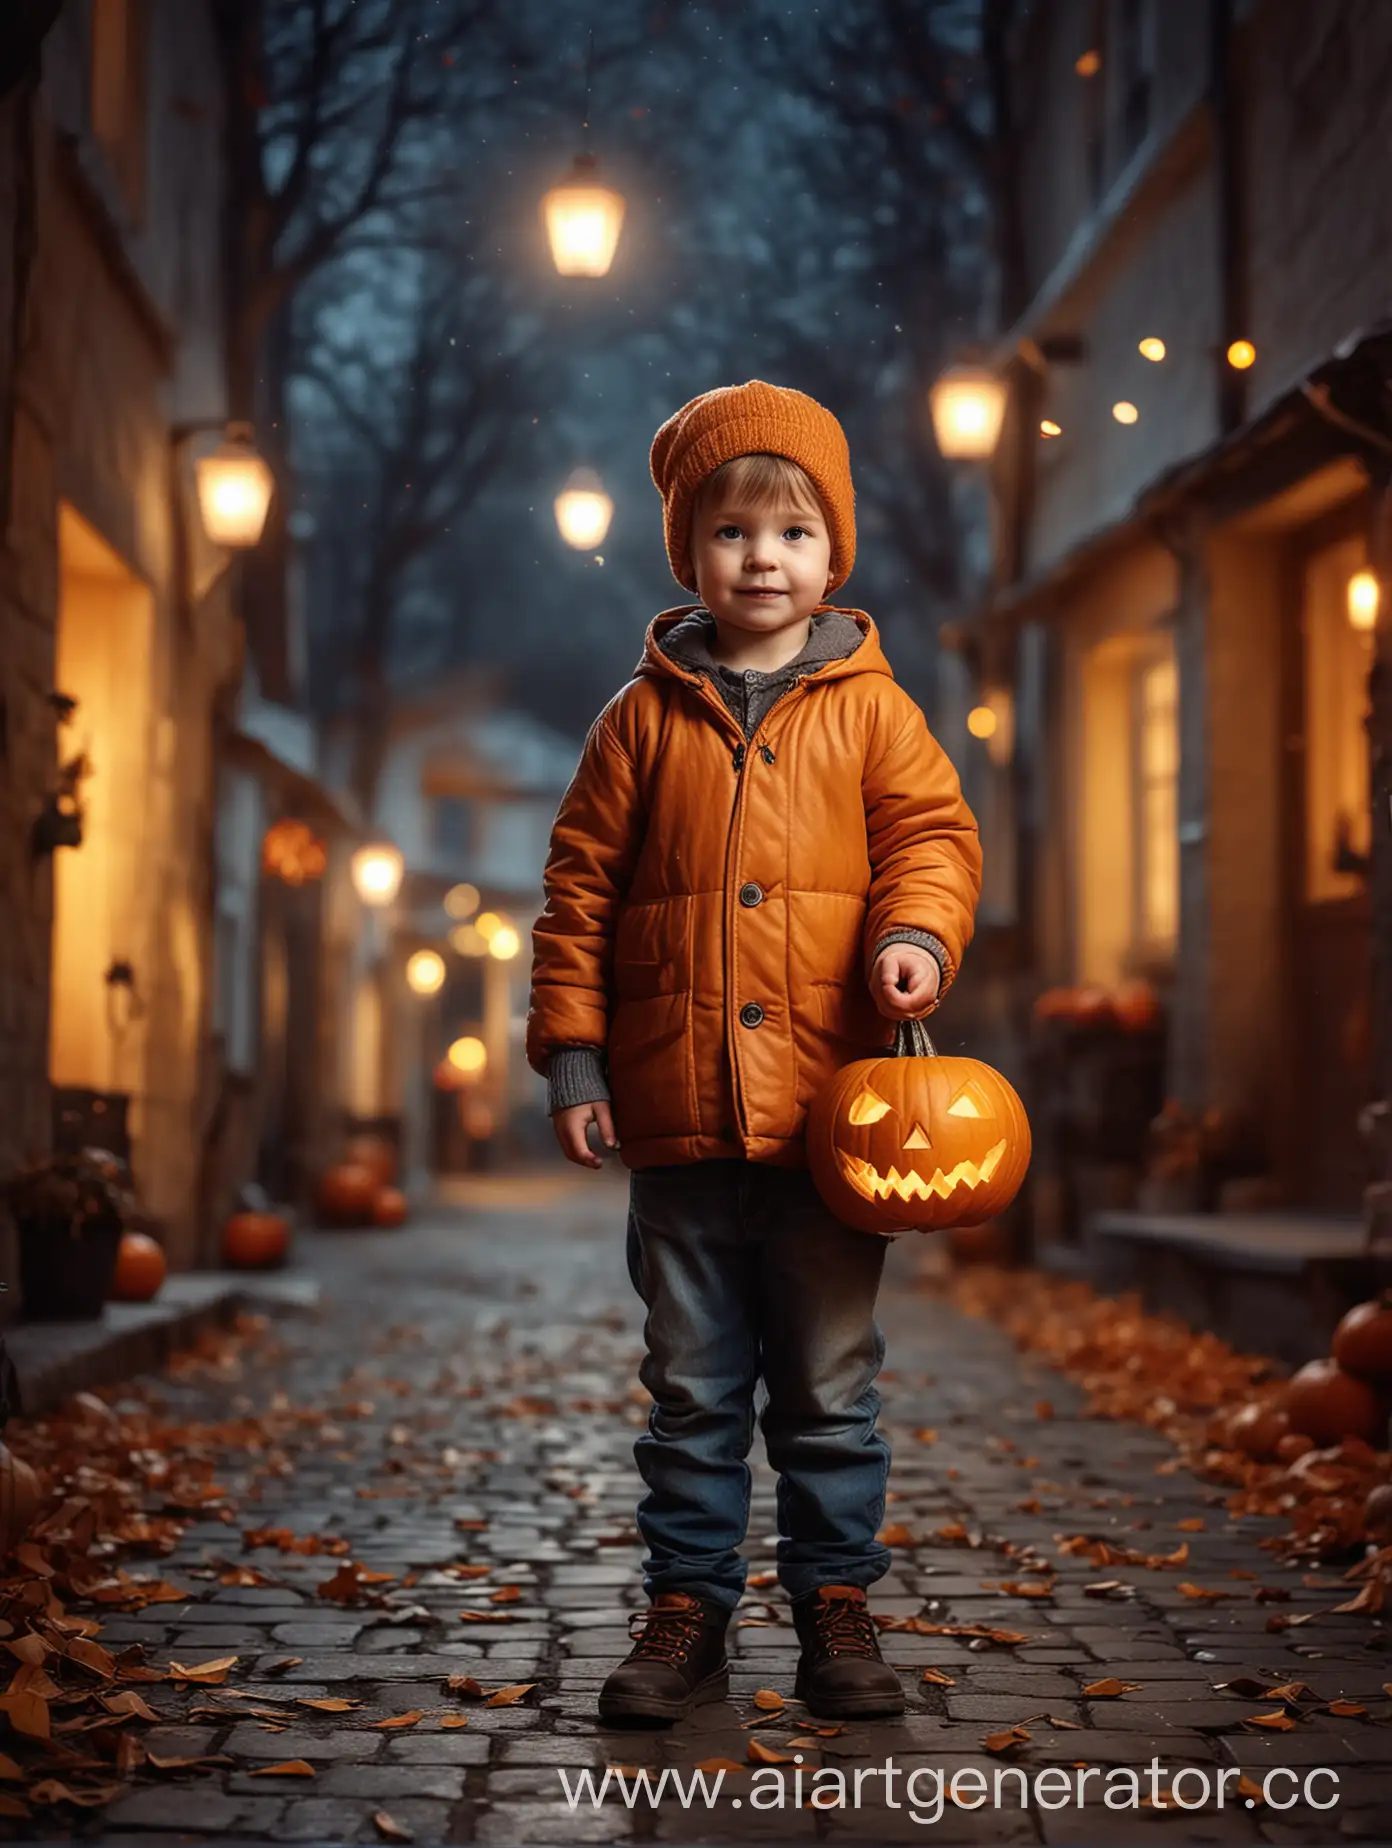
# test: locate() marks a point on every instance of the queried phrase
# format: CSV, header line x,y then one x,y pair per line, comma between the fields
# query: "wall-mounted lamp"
x,y
377,871
967,404
235,483
1364,599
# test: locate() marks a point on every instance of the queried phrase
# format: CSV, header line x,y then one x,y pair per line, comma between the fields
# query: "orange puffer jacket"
x,y
711,905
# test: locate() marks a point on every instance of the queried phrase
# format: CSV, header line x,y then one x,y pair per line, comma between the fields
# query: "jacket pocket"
x,y
649,1067
652,950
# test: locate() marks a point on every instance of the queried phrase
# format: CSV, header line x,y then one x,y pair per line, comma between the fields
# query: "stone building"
x,y
1189,480
117,638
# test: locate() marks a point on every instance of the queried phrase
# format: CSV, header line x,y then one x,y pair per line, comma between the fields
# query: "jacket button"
x,y
751,1014
751,894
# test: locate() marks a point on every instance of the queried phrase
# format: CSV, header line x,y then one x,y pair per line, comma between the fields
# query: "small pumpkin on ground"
x,y
1055,1004
373,1152
348,1195
255,1241
1136,1005
1328,1404
1363,1340
1093,1007
389,1209
1258,1430
914,1141
1294,1444
140,1269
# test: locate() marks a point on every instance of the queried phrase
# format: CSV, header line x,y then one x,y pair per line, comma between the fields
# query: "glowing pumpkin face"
x,y
917,1142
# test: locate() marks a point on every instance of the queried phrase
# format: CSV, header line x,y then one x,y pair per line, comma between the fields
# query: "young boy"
x,y
762,859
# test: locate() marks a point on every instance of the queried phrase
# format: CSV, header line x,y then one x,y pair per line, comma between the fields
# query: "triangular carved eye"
x,y
918,1138
969,1102
869,1107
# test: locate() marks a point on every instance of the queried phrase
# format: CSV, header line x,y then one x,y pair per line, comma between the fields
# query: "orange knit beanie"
x,y
753,419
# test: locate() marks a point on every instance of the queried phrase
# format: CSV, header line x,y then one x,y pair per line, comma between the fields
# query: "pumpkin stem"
x,y
911,1041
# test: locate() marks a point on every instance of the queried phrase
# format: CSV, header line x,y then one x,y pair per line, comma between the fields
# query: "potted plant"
x,y
69,1213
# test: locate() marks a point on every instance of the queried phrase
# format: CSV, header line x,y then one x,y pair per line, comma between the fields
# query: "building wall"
x,y
121,340
1157,283
1114,609
1069,187
1317,116
1244,978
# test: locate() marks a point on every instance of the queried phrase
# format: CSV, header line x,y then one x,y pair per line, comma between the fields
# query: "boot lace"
x,y
844,1626
666,1636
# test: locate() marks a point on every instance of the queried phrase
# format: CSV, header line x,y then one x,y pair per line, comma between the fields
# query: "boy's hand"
x,y
571,1126
905,981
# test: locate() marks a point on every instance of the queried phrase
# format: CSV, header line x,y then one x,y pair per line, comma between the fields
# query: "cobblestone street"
x,y
476,1372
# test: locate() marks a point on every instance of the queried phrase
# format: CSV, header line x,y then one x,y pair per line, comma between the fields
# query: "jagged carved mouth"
x,y
867,1180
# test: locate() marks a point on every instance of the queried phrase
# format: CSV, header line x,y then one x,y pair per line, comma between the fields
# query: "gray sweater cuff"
x,y
923,940
575,1075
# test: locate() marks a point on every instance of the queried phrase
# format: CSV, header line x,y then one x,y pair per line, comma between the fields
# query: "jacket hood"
x,y
841,642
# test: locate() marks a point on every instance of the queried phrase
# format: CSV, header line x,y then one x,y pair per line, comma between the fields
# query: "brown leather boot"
x,y
677,1663
841,1674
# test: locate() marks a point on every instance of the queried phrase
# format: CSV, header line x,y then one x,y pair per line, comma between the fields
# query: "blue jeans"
x,y
745,1275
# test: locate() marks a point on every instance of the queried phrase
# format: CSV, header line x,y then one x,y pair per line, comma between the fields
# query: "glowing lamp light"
x,y
468,1055
377,870
425,972
234,490
1241,354
583,221
1125,412
1047,427
504,943
1364,600
968,408
981,722
468,940
1088,63
583,510
1152,349
293,852
462,901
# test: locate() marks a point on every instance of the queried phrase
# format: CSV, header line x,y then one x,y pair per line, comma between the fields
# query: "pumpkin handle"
x,y
911,1041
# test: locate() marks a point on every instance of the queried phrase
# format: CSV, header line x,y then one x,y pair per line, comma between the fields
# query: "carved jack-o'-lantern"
x,y
915,1141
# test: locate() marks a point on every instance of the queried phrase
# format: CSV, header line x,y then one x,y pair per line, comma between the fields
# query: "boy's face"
x,y
761,569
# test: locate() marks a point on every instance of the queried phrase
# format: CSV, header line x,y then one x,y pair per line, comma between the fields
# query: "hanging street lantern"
x,y
583,220
583,510
377,870
968,407
234,490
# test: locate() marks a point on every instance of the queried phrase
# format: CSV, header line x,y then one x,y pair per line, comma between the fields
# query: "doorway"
x,y
99,969
1331,985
